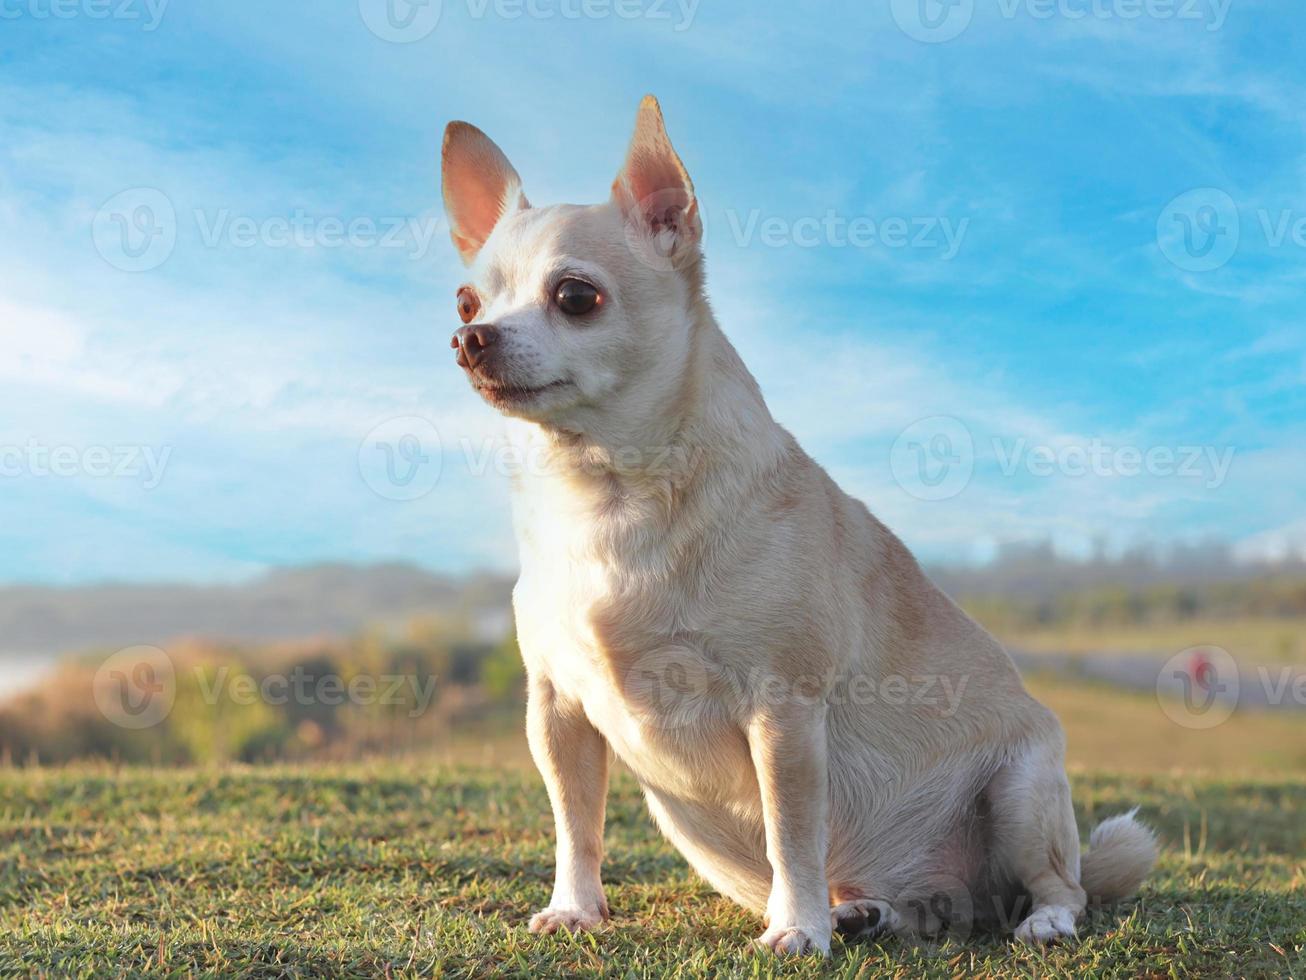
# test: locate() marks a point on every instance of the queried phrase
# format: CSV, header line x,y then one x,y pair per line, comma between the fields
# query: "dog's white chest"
x,y
645,683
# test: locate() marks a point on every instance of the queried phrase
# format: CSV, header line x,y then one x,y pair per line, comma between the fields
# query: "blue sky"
x,y
1011,269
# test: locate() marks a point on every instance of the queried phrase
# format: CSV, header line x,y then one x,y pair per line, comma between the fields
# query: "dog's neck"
x,y
711,426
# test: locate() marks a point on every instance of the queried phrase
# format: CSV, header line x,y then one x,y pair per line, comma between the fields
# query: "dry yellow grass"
x,y
1106,729
1123,731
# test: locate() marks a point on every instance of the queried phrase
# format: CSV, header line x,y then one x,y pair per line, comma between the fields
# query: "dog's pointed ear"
x,y
480,187
653,188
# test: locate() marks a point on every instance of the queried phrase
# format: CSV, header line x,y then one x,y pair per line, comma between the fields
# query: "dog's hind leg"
x,y
1034,839
855,915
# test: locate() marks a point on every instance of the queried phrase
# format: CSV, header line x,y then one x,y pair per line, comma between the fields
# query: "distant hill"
x,y
284,604
337,599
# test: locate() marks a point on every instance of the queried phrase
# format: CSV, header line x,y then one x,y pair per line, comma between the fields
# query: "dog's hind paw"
x,y
1047,924
572,919
863,918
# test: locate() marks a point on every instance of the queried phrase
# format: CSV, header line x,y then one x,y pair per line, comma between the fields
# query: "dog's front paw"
x,y
793,941
863,918
1047,924
572,919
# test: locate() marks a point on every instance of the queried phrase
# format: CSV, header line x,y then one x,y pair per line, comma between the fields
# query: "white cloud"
x,y
1278,544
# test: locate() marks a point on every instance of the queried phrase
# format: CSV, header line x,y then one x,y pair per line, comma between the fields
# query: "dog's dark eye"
x,y
575,297
469,304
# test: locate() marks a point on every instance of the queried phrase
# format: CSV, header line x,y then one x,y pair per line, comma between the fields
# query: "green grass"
x,y
401,870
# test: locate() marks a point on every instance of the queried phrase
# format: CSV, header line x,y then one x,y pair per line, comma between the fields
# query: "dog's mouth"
x,y
505,395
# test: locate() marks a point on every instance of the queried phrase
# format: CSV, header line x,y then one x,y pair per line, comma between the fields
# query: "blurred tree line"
x,y
1145,605
383,691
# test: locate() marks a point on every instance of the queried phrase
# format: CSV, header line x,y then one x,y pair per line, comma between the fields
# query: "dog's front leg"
x,y
788,746
573,759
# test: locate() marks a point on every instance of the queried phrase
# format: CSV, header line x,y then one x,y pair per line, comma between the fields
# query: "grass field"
x,y
1249,639
1116,730
1107,729
417,870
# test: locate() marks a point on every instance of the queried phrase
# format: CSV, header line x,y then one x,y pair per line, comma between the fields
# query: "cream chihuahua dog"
x,y
698,596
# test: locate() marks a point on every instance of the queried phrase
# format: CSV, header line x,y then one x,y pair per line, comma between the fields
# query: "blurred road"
x,y
1275,687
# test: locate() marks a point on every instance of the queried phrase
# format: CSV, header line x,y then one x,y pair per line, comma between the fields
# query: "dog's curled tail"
x,y
1121,853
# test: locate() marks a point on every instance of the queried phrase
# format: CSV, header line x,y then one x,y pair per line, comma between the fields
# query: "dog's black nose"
x,y
471,343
